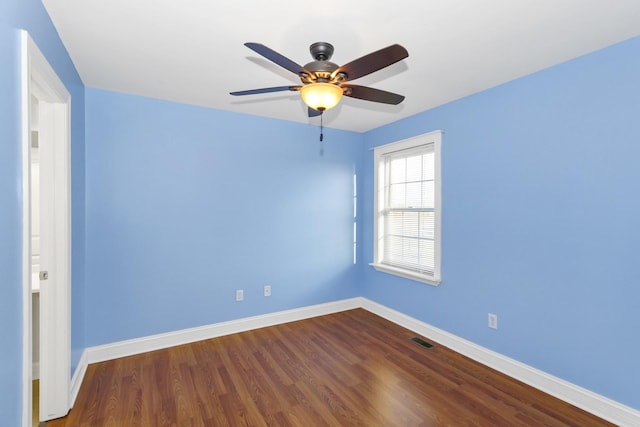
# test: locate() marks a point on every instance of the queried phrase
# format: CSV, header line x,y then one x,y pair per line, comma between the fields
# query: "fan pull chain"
x,y
321,136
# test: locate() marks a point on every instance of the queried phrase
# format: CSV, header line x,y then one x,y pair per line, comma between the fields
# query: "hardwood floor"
x,y
35,403
350,368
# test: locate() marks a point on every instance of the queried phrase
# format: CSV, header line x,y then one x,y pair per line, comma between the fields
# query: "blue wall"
x,y
10,235
30,15
541,221
186,204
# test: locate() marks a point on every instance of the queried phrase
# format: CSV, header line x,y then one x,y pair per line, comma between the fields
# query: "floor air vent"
x,y
422,342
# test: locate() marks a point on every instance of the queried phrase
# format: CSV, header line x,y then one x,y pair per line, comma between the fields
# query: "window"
x,y
407,208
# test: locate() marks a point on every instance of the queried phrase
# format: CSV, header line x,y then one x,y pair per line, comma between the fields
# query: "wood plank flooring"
x,y
35,406
347,369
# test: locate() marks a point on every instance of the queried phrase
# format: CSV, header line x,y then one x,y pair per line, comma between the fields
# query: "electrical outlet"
x,y
492,321
267,290
239,295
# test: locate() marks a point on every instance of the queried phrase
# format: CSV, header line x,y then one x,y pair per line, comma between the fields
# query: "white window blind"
x,y
407,209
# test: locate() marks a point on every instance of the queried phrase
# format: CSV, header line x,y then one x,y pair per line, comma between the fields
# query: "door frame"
x,y
38,79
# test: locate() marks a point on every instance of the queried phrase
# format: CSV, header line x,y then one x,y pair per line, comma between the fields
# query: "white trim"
x,y
135,346
46,84
27,377
594,403
585,399
403,272
39,79
435,138
411,142
185,336
78,376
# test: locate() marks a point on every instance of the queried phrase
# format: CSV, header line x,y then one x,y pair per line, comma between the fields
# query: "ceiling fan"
x,y
323,82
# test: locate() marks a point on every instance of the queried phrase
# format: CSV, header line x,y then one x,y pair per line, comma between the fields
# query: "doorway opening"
x,y
46,237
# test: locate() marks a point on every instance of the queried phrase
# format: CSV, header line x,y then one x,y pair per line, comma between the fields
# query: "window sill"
x,y
407,274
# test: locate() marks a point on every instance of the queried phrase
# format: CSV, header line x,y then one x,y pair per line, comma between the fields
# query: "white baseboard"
x,y
35,370
156,342
185,336
596,404
78,376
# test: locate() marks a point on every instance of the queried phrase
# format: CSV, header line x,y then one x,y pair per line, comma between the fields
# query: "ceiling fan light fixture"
x,y
321,96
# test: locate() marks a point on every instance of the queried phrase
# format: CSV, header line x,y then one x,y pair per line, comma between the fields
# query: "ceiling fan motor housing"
x,y
321,69
321,51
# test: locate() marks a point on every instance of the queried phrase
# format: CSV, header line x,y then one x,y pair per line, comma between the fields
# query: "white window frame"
x,y
432,138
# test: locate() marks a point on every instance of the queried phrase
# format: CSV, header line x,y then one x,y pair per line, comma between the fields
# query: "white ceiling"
x,y
191,51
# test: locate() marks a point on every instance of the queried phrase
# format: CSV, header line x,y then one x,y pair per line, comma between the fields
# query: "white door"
x,y
53,112
55,344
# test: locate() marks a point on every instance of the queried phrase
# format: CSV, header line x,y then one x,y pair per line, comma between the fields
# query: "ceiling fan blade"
x,y
265,90
275,57
373,62
314,113
371,94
